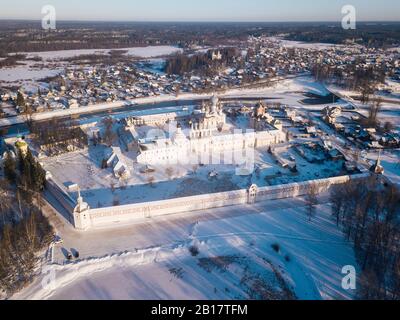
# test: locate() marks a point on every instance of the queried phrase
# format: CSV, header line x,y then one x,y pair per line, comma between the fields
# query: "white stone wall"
x,y
107,217
141,211
63,199
299,189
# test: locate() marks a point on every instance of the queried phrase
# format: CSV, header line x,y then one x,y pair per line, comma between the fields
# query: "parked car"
x,y
58,239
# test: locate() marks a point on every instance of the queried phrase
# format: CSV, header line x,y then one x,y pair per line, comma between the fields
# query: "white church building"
x,y
203,139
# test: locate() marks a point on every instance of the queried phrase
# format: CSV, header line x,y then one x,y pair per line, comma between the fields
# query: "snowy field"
x,y
28,72
236,258
288,91
304,45
100,188
142,52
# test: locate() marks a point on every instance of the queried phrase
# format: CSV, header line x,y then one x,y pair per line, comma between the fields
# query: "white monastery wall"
x,y
110,216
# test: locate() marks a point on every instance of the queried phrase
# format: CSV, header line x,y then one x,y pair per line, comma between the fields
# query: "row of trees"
x,y
351,76
12,60
25,180
372,120
23,229
369,35
58,136
369,212
19,244
24,171
203,63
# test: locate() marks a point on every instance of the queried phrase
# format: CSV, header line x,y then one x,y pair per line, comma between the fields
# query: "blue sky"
x,y
202,10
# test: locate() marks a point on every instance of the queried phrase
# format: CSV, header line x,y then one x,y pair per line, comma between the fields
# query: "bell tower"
x,y
81,213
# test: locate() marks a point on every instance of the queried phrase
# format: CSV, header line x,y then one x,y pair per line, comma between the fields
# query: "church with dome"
x,y
194,137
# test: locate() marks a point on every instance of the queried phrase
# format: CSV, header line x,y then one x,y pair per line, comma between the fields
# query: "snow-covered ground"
x,y
29,72
235,261
143,52
26,72
100,188
304,45
97,190
288,91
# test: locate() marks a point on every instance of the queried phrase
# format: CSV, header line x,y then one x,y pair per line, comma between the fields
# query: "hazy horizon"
x,y
256,11
200,21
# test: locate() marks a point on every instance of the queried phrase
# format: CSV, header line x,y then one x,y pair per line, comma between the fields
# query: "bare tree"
x,y
367,89
373,111
109,134
337,203
396,280
116,201
311,200
369,287
6,201
169,172
388,127
369,215
151,180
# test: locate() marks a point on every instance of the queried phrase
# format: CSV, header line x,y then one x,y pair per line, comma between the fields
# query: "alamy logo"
x,y
349,18
49,18
350,278
236,149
